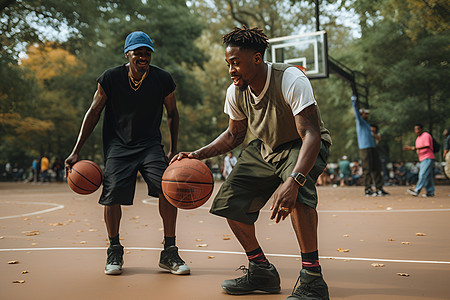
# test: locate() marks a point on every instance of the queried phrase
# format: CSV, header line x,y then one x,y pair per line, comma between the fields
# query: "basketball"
x,y
85,177
187,183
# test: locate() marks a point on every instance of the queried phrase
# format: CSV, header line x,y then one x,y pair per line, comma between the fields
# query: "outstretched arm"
x,y
227,141
356,110
90,120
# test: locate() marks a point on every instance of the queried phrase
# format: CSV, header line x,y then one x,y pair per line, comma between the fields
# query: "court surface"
x,y
58,240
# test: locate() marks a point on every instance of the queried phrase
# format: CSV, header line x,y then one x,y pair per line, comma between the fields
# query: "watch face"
x,y
299,177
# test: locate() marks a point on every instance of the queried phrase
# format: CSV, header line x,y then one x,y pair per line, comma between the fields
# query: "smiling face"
x,y
417,129
242,65
139,59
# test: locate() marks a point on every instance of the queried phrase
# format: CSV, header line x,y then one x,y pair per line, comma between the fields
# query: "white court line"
x,y
235,252
153,201
57,206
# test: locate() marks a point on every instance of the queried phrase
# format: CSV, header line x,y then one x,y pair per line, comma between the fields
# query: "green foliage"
x,y
403,48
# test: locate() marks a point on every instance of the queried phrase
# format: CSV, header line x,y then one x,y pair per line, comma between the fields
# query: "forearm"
x,y
173,123
89,122
222,144
308,153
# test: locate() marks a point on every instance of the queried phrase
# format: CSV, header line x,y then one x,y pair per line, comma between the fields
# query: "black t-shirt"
x,y
133,118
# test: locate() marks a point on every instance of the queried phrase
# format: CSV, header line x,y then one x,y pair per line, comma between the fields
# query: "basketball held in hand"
x,y
85,177
187,183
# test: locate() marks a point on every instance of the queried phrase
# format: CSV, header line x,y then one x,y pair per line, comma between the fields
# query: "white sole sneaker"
x,y
177,270
113,270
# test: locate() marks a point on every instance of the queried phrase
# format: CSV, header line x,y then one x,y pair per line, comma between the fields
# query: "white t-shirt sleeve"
x,y
297,90
231,108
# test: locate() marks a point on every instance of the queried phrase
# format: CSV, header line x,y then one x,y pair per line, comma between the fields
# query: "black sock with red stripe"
x,y
257,256
310,261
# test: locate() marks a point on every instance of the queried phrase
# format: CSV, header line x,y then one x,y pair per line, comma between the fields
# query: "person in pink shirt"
x,y
424,149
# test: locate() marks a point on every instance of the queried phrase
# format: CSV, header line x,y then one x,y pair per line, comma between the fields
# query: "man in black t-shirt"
x,y
133,96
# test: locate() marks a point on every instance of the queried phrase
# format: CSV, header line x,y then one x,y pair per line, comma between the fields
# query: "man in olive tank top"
x,y
133,96
276,103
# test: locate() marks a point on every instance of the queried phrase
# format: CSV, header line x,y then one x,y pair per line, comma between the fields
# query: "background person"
x,y
446,153
228,164
345,172
370,161
424,149
133,96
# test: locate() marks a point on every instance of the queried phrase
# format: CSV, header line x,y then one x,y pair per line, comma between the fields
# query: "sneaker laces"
x,y
304,289
243,269
295,285
114,256
174,257
242,278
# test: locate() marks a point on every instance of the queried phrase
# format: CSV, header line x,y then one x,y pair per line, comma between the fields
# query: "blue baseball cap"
x,y
136,40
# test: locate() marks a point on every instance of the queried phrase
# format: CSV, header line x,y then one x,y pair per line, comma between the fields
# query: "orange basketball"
x,y
187,183
85,177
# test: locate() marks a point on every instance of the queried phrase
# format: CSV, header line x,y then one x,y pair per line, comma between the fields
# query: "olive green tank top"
x,y
271,119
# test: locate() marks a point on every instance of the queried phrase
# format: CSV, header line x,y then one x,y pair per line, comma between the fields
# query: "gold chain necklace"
x,y
135,84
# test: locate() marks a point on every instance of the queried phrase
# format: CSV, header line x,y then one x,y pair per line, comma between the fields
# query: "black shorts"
x,y
253,180
119,180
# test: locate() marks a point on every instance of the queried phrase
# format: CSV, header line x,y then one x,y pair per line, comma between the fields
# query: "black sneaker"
x,y
370,193
312,287
382,192
114,261
258,277
170,260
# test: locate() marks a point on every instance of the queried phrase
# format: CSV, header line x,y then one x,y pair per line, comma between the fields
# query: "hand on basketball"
x,y
284,200
182,155
69,162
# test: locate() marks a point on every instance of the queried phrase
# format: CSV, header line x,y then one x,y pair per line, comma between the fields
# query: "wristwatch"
x,y
299,178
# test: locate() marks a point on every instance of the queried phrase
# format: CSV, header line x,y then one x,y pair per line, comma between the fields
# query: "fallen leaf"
x,y
391,240
34,244
56,224
128,252
83,242
18,281
198,240
406,243
1,238
25,272
403,274
343,250
346,235
31,233
225,238
13,262
377,265
210,257
420,234
93,230
202,245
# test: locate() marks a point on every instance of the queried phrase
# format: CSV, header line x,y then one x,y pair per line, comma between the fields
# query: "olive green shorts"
x,y
252,182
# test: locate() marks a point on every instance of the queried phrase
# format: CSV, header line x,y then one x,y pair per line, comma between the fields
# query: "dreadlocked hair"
x,y
247,38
